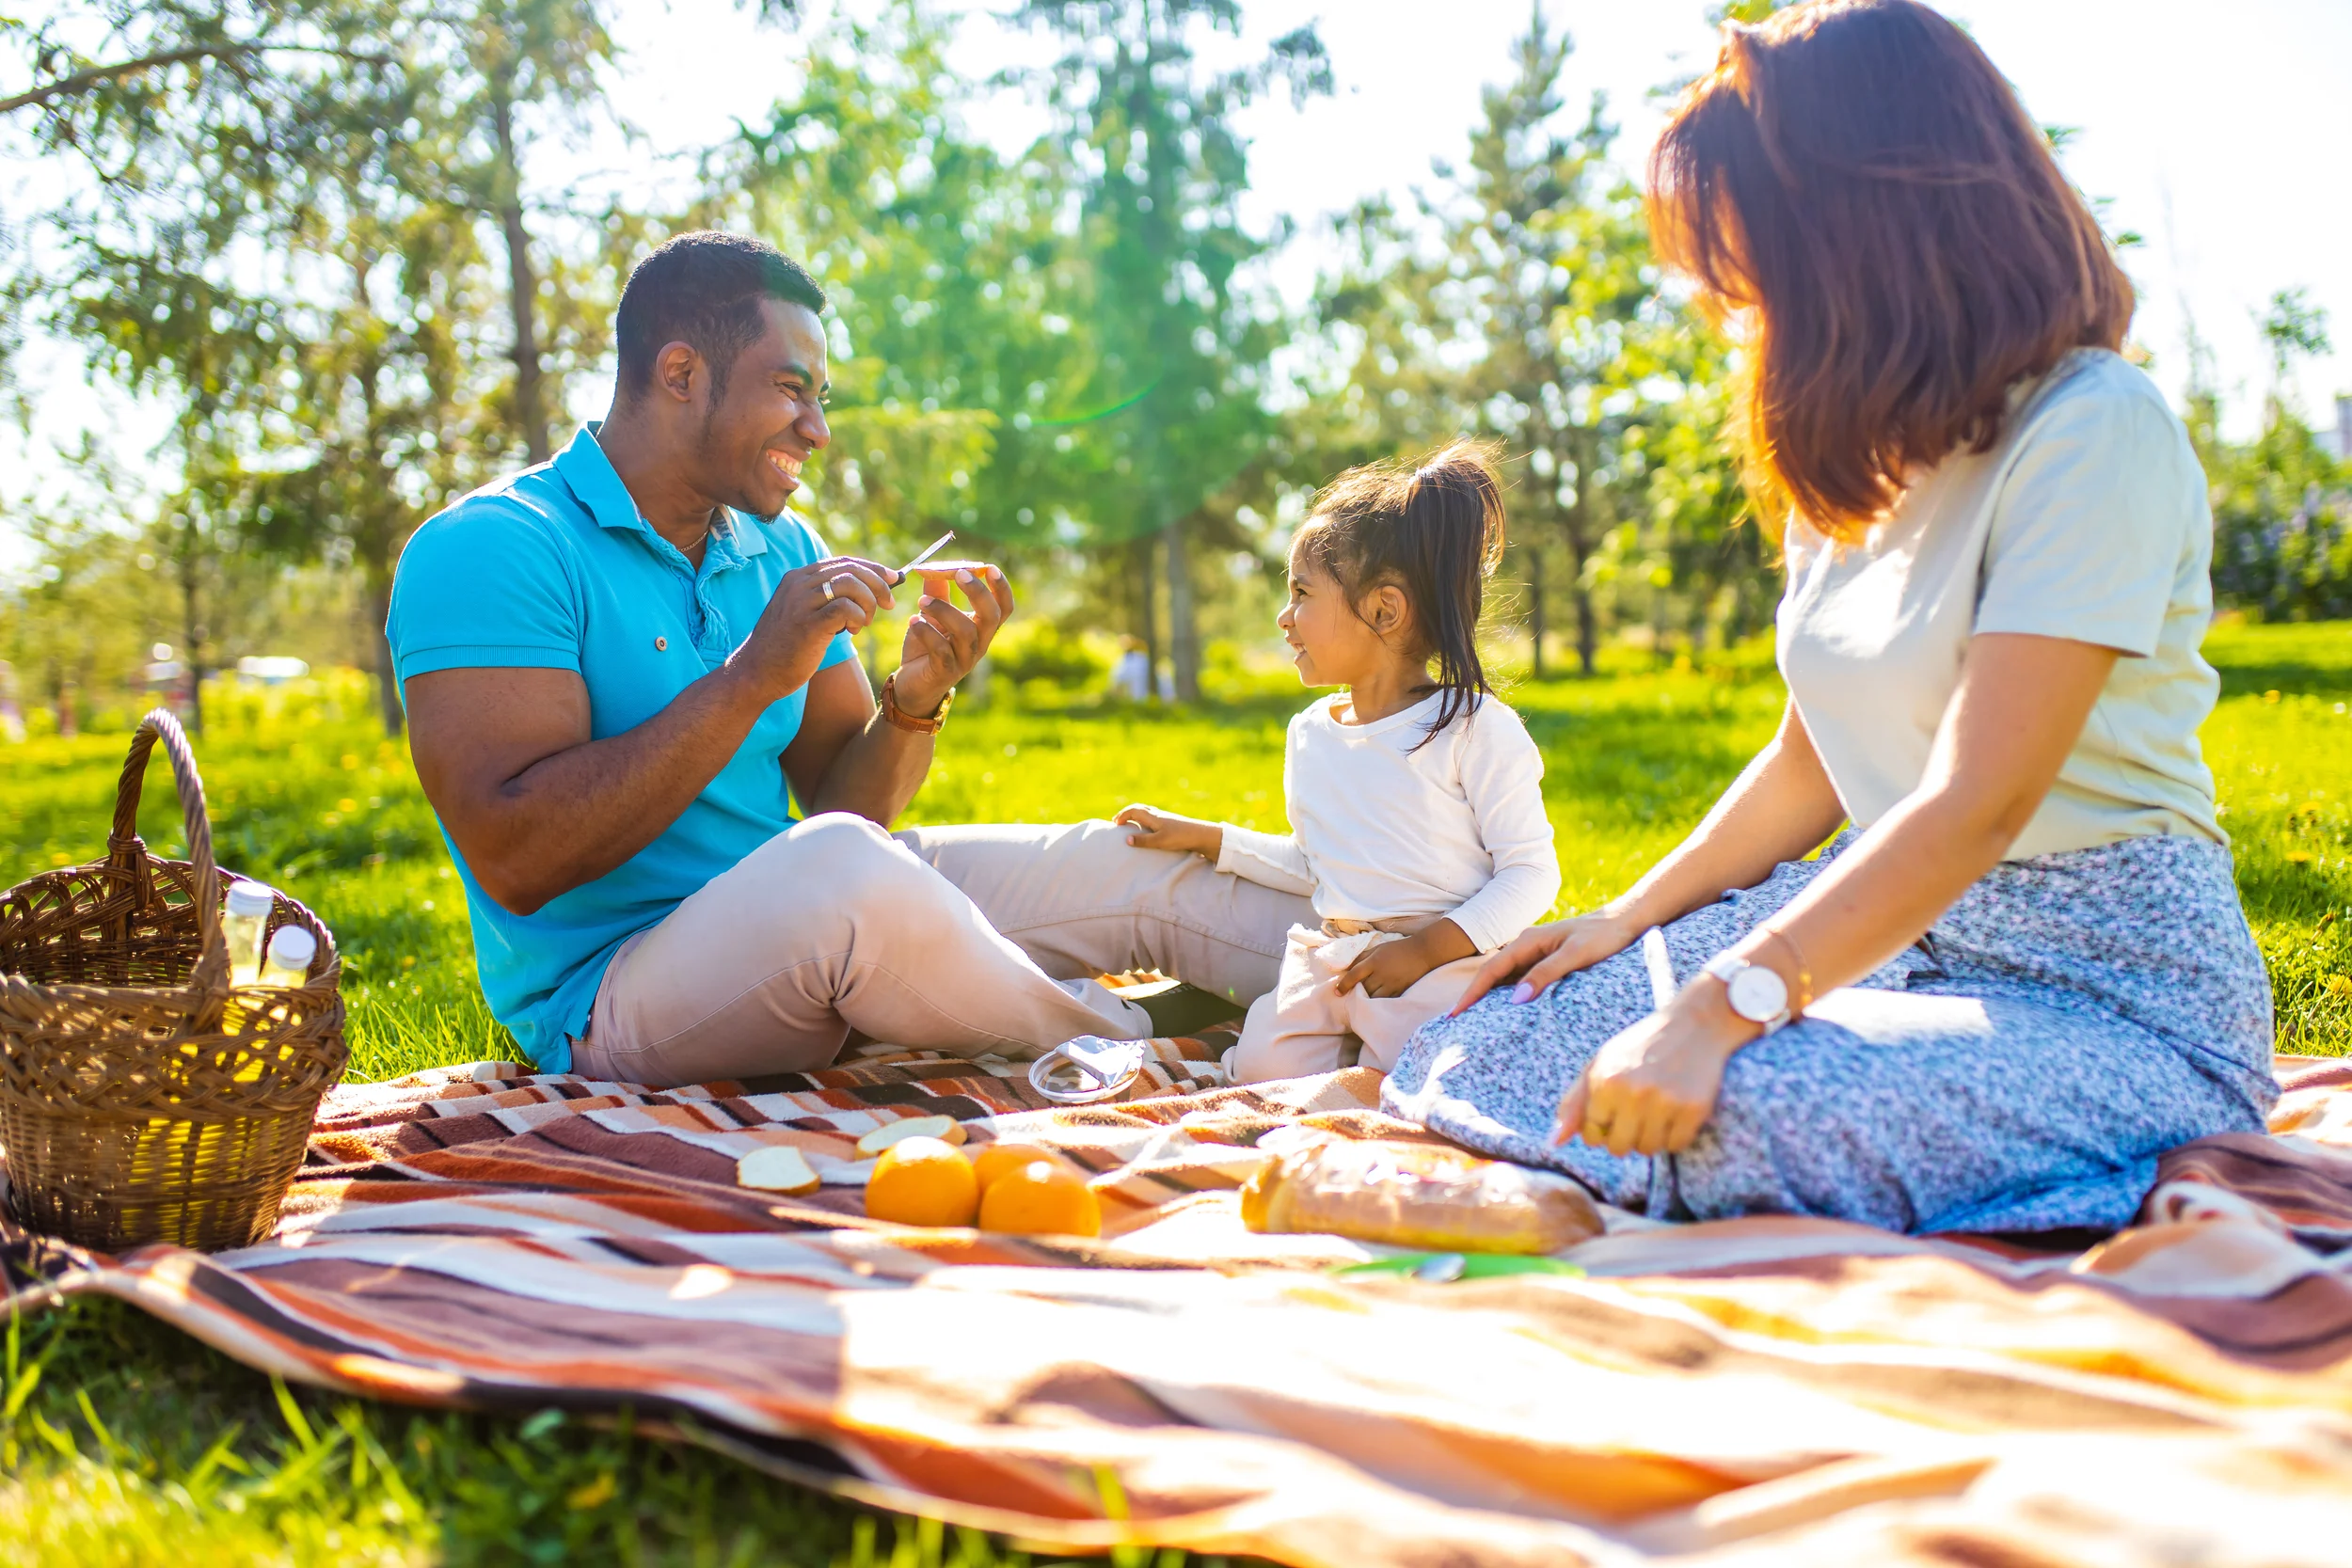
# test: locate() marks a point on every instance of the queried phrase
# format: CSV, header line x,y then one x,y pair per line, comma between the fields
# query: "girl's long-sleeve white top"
x,y
1382,830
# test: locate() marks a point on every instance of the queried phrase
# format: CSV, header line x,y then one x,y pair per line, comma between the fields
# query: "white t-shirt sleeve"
x,y
1278,861
1270,860
2088,528
1502,777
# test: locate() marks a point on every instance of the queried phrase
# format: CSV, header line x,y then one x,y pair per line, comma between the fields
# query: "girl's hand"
x,y
1161,830
1542,955
1389,968
1652,1087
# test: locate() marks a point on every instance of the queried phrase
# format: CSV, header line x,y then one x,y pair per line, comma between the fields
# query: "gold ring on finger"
x,y
828,590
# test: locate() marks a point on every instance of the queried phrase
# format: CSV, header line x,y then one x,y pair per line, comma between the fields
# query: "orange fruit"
x,y
996,1160
922,1181
1042,1198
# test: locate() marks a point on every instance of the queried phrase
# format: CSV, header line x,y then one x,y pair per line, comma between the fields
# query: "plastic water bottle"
x,y
290,954
248,910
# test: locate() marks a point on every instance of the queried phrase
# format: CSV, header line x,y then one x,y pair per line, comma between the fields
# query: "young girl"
x,y
1414,796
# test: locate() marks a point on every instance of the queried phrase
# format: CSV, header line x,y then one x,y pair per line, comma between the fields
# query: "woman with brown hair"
x,y
2022,972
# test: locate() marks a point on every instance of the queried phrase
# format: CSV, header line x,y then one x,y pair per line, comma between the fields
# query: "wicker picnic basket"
x,y
136,1102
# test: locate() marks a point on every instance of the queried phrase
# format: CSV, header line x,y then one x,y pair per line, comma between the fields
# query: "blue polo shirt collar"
x,y
592,479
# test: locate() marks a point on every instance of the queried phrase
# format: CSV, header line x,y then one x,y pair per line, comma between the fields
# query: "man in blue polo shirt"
x,y
624,667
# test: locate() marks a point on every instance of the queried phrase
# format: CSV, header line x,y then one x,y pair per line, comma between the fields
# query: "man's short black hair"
x,y
704,289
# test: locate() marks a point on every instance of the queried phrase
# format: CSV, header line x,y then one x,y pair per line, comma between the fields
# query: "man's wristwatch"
x,y
905,720
1755,993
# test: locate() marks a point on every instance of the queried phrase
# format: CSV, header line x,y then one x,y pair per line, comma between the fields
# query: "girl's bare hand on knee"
x,y
1541,956
1151,829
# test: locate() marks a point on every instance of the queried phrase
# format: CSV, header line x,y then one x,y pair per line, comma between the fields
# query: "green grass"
x,y
124,1442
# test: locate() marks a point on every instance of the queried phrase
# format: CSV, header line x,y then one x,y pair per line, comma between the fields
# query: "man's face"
x,y
771,417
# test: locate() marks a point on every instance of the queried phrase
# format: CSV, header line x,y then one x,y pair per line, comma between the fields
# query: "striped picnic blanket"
x,y
1769,1389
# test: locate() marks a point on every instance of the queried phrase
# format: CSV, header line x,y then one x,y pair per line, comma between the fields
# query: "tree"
x,y
1174,400
939,262
498,64
297,260
1529,313
2282,502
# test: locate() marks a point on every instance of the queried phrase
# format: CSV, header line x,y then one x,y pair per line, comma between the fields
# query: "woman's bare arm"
x,y
2019,709
2020,706
1779,808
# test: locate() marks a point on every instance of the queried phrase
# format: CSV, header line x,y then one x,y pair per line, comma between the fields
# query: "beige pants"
x,y
964,939
1303,1025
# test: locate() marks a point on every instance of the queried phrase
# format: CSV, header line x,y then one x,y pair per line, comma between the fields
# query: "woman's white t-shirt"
x,y
2087,520
1384,827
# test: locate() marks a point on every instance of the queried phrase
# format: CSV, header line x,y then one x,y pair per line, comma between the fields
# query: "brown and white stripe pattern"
x,y
1776,1389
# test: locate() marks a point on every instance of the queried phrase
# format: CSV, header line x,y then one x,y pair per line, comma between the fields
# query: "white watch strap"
x,y
1727,967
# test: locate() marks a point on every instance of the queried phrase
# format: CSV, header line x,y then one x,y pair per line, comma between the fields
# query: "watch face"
x,y
1757,994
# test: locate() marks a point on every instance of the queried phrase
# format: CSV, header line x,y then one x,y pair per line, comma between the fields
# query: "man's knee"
x,y
843,859
835,836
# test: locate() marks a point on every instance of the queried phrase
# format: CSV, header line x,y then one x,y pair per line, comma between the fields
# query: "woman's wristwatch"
x,y
1755,993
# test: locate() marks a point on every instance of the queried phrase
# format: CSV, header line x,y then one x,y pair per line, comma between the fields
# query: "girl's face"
x,y
1330,643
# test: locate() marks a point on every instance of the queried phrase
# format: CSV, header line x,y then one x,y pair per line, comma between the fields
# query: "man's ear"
x,y
676,370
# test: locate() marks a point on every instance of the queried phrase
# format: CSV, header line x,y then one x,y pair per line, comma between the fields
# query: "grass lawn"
x,y
122,1441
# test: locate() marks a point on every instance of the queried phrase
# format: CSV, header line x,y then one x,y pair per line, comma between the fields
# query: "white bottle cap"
x,y
293,948
251,899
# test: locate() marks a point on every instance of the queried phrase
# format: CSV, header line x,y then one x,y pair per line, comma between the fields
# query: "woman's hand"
x,y
1165,829
1652,1087
1541,955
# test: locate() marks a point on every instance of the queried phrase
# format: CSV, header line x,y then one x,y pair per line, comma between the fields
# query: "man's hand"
x,y
943,642
1165,829
788,643
1389,968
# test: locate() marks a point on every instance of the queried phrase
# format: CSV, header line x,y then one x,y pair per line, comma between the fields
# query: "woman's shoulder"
x,y
2096,395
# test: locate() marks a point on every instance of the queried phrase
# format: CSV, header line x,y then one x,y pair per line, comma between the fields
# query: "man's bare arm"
x,y
846,756
538,808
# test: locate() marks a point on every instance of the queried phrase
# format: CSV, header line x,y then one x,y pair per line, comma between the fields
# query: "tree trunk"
x,y
1147,617
191,635
1576,524
380,648
522,283
1183,631
1535,610
61,687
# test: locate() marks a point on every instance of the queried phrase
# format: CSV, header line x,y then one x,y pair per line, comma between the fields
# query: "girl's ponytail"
x,y
1436,531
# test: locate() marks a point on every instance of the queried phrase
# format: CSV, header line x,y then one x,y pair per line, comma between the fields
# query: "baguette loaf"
x,y
1424,1197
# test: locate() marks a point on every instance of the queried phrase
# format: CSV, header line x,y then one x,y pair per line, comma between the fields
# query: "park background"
x,y
1116,284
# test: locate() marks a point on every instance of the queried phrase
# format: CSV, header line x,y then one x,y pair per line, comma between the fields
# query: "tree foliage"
x,y
319,235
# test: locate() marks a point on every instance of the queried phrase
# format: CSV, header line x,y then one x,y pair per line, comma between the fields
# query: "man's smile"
x,y
787,464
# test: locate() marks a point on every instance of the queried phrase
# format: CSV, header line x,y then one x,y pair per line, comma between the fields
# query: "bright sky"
x,y
2225,143
2225,138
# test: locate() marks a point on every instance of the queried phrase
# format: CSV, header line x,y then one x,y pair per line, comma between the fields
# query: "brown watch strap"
x,y
905,720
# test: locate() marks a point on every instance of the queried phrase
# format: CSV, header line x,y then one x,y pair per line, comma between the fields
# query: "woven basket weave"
x,y
137,1103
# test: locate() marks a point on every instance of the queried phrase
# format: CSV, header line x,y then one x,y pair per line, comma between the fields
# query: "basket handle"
x,y
212,963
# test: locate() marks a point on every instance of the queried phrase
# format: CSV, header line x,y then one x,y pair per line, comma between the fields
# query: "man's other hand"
x,y
810,606
944,643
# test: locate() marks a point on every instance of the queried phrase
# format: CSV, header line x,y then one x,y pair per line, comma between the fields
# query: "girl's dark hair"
x,y
1436,531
